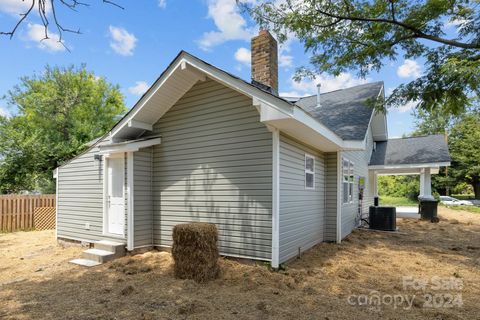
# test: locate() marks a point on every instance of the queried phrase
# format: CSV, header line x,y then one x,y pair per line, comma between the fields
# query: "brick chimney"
x,y
265,60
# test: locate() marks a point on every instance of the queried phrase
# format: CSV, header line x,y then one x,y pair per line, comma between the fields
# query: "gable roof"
x,y
186,70
431,149
297,119
344,111
179,76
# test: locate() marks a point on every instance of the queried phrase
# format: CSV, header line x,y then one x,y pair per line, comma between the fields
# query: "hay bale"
x,y
195,251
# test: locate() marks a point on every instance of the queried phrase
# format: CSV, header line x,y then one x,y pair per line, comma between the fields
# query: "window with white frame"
x,y
347,180
309,172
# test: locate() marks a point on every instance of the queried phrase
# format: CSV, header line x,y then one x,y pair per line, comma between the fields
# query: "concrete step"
x,y
115,247
99,255
85,262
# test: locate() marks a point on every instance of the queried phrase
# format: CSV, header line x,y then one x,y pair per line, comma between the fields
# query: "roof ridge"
x,y
421,136
328,92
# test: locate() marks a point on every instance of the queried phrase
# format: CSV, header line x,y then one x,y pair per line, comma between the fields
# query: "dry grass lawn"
x,y
36,282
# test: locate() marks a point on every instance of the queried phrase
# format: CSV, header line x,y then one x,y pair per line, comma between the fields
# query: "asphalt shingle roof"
x,y
415,150
346,111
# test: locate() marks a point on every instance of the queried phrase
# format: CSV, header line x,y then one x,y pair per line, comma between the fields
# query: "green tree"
x,y
431,122
465,151
436,122
58,112
399,186
365,35
463,145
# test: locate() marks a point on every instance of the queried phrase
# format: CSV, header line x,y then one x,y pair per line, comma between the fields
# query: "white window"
x,y
348,180
309,172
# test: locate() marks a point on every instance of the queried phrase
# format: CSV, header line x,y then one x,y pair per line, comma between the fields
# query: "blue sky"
x,y
132,47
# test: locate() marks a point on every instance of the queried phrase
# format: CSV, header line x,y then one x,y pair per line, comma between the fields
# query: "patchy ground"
x,y
37,283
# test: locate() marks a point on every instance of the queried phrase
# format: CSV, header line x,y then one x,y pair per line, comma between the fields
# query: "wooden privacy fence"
x,y
27,212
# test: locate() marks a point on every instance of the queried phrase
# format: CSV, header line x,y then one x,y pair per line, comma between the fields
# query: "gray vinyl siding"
x,y
331,189
360,160
143,200
80,199
215,165
302,211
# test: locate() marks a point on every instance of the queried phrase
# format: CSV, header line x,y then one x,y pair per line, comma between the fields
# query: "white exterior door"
x,y
115,196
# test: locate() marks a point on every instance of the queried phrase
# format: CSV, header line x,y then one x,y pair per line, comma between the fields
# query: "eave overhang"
x,y
130,146
186,70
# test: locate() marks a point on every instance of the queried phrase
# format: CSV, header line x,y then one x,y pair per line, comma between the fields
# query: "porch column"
x,y
425,184
375,184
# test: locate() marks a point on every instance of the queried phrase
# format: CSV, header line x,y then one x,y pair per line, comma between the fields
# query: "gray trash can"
x,y
428,209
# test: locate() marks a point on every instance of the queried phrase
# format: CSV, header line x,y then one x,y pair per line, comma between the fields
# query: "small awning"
x,y
130,145
410,154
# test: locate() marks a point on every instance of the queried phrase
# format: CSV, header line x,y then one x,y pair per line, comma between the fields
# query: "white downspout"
x,y
130,192
275,197
339,197
56,173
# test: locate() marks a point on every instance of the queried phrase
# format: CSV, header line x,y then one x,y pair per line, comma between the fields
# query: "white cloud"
x,y
232,26
410,68
14,7
285,60
36,33
328,82
389,91
18,7
4,112
162,4
407,107
292,94
244,56
229,22
122,42
139,88
455,23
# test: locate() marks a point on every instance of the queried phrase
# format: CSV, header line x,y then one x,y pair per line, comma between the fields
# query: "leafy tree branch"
x,y
48,11
58,112
364,36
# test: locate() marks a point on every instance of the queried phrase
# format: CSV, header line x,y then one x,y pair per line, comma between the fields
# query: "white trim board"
x,y
339,197
238,256
128,147
308,155
410,166
105,232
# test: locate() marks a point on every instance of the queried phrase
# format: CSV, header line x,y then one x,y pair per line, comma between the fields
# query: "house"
x,y
276,175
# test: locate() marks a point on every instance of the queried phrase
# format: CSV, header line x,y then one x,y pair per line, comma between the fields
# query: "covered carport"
x,y
421,156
